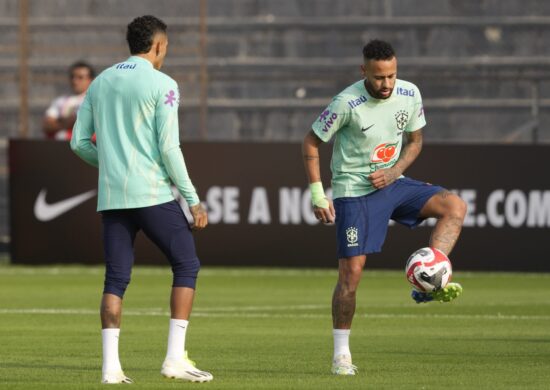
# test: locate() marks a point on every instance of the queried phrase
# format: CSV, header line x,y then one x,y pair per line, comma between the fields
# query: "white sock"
x,y
111,362
341,342
176,339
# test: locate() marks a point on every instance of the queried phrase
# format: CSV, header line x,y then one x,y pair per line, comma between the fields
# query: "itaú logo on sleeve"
x,y
384,152
357,102
405,92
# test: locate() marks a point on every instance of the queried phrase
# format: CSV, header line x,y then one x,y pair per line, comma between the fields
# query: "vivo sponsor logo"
x,y
329,118
405,92
125,65
357,102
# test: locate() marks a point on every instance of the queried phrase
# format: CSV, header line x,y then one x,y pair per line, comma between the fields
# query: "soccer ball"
x,y
428,270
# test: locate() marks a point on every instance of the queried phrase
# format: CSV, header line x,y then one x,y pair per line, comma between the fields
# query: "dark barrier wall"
x,y
260,211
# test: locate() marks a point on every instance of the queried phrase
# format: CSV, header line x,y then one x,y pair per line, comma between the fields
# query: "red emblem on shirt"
x,y
384,152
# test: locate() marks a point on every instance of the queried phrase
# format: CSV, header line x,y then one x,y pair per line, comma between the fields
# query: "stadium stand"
x,y
270,66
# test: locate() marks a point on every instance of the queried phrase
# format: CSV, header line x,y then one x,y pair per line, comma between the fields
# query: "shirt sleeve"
x,y
81,141
166,117
53,110
418,120
333,118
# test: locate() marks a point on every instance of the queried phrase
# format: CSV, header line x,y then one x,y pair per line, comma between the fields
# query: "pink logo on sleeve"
x,y
170,98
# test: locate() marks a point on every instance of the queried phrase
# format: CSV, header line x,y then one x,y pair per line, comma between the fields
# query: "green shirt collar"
x,y
139,60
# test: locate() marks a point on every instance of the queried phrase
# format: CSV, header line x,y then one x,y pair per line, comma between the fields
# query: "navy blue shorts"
x,y
165,225
362,222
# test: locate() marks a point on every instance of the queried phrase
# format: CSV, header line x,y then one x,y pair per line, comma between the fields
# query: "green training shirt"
x,y
368,133
133,109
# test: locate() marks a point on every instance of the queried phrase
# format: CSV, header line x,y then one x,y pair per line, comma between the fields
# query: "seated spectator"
x,y
61,115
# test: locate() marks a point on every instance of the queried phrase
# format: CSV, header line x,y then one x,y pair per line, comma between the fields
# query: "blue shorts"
x,y
362,222
165,225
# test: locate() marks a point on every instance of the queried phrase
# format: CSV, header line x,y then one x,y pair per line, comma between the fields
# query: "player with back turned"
x,y
368,120
133,109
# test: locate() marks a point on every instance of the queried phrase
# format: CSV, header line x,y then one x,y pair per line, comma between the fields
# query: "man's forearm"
x,y
53,125
86,150
175,165
310,155
409,153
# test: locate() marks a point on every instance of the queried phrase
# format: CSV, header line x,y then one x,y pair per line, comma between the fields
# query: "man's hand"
x,y
327,216
53,125
200,216
67,122
384,177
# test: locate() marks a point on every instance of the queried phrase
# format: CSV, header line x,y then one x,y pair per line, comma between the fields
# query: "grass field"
x,y
271,329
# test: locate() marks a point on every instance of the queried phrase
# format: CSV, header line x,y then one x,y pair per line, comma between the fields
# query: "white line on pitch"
x,y
237,314
260,308
164,271
242,272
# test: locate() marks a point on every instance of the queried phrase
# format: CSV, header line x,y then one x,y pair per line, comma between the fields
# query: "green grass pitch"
x,y
271,329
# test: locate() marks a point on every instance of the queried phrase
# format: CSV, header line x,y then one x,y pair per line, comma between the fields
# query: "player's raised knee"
x,y
457,208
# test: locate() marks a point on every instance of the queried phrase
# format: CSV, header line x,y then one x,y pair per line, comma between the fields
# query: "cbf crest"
x,y
401,117
352,236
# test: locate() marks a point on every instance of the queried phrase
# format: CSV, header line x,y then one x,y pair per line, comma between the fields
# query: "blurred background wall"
x,y
261,70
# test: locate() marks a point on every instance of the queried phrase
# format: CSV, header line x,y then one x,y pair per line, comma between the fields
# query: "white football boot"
x,y
115,377
341,365
184,369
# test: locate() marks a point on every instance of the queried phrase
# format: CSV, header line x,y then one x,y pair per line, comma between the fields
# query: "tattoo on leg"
x,y
343,307
445,234
444,194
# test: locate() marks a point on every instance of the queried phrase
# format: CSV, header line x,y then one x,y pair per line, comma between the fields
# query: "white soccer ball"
x,y
428,269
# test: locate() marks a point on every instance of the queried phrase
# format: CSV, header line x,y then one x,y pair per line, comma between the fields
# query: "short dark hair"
x,y
141,31
378,50
82,64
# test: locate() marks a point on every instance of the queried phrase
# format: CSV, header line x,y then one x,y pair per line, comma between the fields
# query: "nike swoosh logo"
x,y
44,211
366,128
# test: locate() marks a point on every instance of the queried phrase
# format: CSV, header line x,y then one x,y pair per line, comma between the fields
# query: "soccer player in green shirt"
x,y
133,109
368,121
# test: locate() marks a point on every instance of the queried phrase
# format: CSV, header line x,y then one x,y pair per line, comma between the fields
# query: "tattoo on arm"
x,y
306,157
392,175
411,150
310,155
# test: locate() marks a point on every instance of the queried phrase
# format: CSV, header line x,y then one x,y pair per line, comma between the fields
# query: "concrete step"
x,y
261,83
303,8
282,119
295,36
321,40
